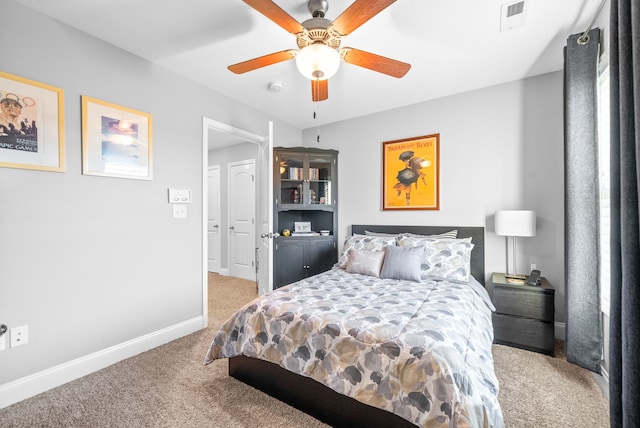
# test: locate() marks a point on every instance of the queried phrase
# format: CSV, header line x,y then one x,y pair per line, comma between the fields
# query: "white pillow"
x,y
363,242
365,262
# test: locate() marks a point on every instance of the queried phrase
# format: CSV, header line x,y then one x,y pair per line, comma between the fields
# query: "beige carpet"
x,y
169,387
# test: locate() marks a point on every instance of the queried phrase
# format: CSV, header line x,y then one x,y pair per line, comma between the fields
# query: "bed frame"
x,y
320,401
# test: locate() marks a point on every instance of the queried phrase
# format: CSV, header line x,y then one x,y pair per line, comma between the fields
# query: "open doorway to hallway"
x,y
231,208
219,136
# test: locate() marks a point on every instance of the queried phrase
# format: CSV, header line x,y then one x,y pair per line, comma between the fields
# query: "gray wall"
x,y
501,147
91,262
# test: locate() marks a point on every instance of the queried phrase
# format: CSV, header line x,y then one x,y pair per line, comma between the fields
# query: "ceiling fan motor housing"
x,y
316,30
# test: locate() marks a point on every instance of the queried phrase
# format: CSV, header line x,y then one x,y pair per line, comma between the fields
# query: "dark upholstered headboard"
x,y
476,234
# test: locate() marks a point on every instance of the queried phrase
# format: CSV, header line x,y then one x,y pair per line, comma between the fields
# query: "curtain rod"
x,y
584,39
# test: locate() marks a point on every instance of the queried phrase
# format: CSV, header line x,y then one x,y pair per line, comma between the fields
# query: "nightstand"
x,y
524,314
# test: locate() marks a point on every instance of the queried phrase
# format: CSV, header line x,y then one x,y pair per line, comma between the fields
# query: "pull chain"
x,y
318,131
316,90
315,116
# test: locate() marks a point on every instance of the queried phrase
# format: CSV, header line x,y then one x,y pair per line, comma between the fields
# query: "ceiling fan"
x,y
319,39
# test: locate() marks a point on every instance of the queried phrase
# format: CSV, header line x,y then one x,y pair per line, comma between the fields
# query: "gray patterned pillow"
x,y
453,234
386,235
365,262
444,259
363,242
402,263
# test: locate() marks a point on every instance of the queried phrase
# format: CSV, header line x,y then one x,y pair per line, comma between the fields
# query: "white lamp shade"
x,y
515,223
318,61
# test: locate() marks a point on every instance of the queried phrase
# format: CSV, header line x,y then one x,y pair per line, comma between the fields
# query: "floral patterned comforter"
x,y
421,350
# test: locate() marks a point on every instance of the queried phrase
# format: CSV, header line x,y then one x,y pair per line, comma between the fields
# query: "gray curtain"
x,y
582,292
624,330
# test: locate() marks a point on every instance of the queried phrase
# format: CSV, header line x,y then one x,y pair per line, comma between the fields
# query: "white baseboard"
x,y
559,329
37,383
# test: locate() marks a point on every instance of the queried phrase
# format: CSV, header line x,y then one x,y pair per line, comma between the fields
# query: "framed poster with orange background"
x,y
411,173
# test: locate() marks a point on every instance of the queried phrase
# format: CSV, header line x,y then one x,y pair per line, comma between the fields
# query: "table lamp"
x,y
515,223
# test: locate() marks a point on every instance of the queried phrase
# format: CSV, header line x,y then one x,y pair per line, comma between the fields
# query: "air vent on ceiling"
x,y
512,15
515,9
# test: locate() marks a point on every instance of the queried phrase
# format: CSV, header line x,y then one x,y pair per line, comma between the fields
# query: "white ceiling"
x,y
453,46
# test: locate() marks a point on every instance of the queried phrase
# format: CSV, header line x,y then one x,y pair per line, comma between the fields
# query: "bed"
x,y
411,347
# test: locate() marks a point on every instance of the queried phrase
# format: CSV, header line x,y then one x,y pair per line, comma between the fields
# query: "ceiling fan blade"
x,y
381,64
357,14
262,61
319,90
276,14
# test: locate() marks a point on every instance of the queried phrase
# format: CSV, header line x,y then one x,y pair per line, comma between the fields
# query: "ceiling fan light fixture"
x,y
318,40
318,61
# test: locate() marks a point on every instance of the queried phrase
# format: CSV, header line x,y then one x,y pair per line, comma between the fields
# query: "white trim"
x,y
205,219
42,381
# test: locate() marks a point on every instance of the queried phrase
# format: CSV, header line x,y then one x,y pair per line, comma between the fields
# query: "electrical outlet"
x,y
19,336
179,211
534,266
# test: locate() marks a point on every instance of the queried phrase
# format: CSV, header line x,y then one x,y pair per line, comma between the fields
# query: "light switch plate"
x,y
179,196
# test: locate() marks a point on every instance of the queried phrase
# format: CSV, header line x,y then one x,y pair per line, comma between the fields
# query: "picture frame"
x,y
116,141
411,173
31,124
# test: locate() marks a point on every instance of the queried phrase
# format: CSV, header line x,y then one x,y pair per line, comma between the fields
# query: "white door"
x,y
265,215
242,227
213,222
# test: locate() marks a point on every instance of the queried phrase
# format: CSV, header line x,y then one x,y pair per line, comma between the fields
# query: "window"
x,y
604,185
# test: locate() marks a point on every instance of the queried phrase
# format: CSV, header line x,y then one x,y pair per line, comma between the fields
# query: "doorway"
x,y
218,135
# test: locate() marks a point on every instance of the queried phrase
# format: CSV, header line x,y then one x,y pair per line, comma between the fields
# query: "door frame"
x,y
210,125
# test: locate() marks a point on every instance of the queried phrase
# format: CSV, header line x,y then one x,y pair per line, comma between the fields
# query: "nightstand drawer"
x,y
524,333
524,303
